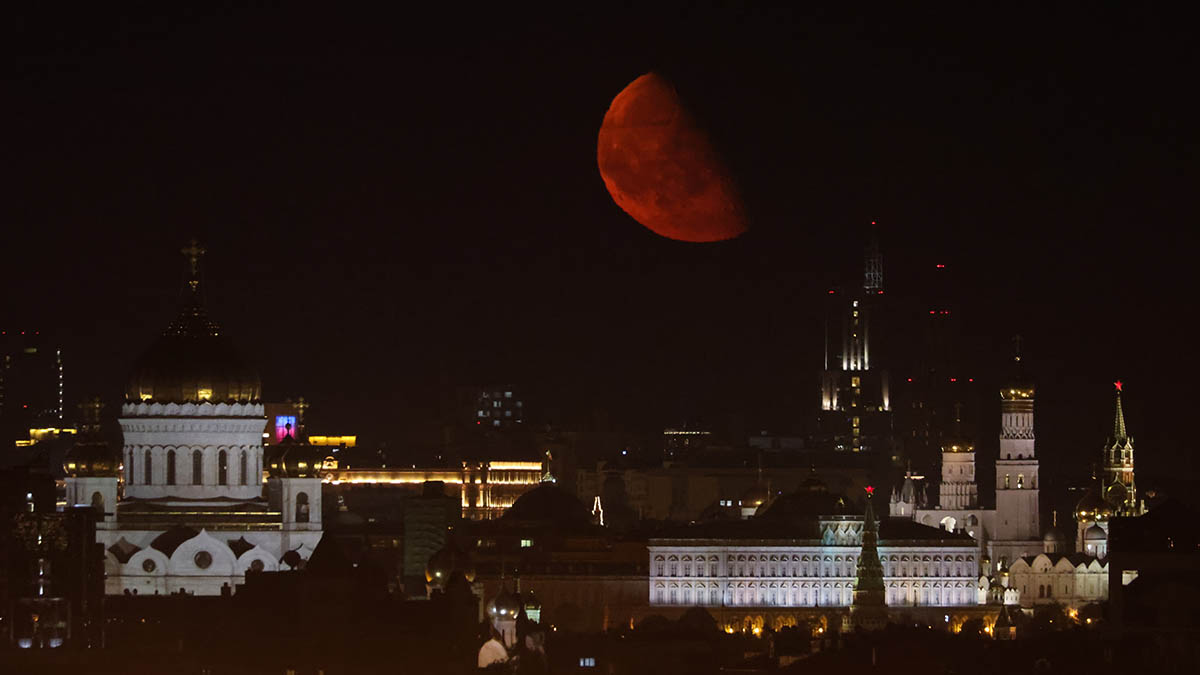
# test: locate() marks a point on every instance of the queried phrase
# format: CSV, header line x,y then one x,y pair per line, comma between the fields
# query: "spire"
x,y
1119,434
873,267
193,252
193,320
868,584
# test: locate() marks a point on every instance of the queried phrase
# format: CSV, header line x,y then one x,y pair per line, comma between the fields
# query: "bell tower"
x,y
1017,527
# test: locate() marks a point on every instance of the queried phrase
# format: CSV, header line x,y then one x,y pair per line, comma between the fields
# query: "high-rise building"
x,y
31,384
856,412
935,396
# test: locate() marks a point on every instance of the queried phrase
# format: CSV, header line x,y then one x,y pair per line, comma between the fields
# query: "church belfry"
x,y
1017,519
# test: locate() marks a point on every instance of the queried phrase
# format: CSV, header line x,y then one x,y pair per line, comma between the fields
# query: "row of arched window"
x,y
243,469
812,566
805,595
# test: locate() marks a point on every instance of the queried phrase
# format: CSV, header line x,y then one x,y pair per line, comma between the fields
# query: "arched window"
x,y
170,467
245,478
149,475
222,468
1020,481
197,468
302,508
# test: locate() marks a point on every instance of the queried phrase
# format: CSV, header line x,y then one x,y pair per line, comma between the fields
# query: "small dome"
x,y
443,564
295,459
504,606
1095,533
1054,536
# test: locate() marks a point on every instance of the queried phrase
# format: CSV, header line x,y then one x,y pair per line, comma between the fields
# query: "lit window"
x,y
854,382
204,394
587,662
508,394
481,413
508,413
526,543
496,423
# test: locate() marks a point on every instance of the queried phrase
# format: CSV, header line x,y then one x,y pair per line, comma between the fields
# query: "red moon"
x,y
660,167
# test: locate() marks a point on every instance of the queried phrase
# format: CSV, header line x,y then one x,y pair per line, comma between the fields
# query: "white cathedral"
x,y
187,509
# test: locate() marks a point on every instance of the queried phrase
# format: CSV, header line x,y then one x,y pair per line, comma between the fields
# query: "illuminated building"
x,y
1072,580
800,558
484,489
495,406
193,517
1114,491
32,384
856,406
1011,530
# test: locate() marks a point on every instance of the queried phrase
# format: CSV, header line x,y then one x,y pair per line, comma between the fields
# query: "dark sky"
x,y
390,200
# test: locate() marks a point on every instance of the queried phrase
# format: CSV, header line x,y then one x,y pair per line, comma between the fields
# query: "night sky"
x,y
392,201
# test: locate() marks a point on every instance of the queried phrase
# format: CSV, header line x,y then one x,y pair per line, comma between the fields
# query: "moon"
x,y
660,167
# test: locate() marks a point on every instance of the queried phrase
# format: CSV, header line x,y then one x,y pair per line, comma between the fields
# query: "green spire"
x,y
868,586
1119,434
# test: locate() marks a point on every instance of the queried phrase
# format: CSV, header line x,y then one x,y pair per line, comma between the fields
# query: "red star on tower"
x,y
1117,384
870,490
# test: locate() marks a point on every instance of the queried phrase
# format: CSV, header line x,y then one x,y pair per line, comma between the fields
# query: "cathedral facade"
x,y
187,509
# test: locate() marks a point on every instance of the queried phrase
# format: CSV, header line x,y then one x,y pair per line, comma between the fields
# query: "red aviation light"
x,y
879,292
831,291
910,379
941,266
954,379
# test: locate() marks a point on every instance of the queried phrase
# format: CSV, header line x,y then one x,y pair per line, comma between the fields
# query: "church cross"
x,y
192,252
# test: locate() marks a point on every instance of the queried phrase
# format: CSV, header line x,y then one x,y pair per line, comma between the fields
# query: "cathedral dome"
x,y
548,504
192,361
295,459
445,563
1055,537
91,456
504,606
1093,508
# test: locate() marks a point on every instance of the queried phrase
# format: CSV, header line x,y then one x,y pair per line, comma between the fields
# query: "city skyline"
x,y
362,287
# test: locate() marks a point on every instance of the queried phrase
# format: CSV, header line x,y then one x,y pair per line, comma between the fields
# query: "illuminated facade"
x,y
193,517
922,567
1011,530
1071,580
1114,492
855,398
485,489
